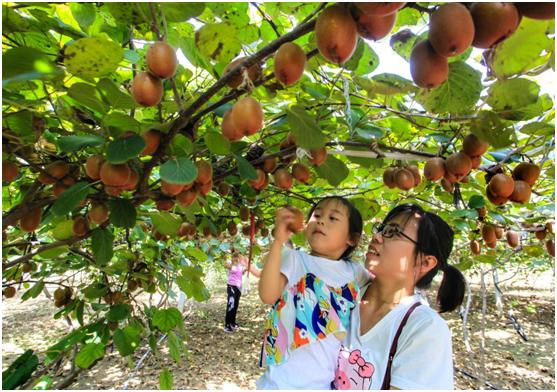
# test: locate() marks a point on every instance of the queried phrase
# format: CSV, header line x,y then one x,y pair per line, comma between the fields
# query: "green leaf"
x,y
122,122
118,312
197,254
166,223
126,340
94,290
21,123
166,319
78,142
458,95
19,371
115,97
178,171
122,213
181,12
218,41
102,244
165,380
88,96
386,84
34,291
89,354
247,171
63,230
216,143
124,148
71,198
92,57
490,128
364,60
22,64
476,201
174,347
181,146
79,312
305,129
84,14
509,97
333,170
538,128
523,50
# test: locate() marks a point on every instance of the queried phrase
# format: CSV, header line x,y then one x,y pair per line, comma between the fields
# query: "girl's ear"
x,y
427,263
353,240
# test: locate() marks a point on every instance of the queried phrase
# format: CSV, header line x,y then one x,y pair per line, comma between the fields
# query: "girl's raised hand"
x,y
288,221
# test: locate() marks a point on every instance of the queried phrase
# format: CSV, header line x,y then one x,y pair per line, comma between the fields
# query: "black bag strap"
x,y
387,378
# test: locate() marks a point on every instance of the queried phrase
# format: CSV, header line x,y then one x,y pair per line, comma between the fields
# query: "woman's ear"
x,y
427,263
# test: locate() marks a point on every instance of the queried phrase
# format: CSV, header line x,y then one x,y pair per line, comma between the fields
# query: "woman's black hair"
x,y
355,222
435,238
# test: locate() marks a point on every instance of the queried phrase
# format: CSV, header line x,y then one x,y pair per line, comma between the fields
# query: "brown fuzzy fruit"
x,y
223,188
550,227
527,172
98,213
482,212
501,185
474,146
290,61
499,232
115,175
26,267
161,60
132,285
318,156
146,89
416,173
493,22
541,234
9,292
389,177
451,29
31,220
170,189
152,139
283,179
434,169
259,181
244,213
53,172
93,166
541,11
494,199
488,233
521,192
232,228
229,130
447,185
58,189
59,294
204,172
298,223
254,72
428,69
247,116
164,204
264,232
204,189
132,181
269,164
459,165
550,246
301,173
9,171
379,8
475,247
512,238
375,27
336,34
404,179
476,162
113,190
80,226
186,198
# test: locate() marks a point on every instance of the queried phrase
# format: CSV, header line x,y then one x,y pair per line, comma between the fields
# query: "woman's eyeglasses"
x,y
390,231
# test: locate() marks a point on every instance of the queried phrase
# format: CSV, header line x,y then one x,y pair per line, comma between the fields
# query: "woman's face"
x,y
394,259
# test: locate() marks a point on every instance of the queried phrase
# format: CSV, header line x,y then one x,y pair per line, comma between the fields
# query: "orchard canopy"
x,y
141,141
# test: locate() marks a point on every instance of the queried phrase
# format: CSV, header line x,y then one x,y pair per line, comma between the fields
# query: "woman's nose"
x,y
377,238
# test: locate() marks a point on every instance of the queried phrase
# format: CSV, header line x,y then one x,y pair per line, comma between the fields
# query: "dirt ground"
x,y
219,360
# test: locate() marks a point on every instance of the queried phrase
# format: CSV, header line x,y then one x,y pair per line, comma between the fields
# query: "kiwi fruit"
x,y
379,8
289,64
254,72
204,172
434,169
404,179
475,247
375,27
298,224
98,213
161,60
474,146
301,173
428,69
489,234
93,166
146,90
115,175
318,156
247,116
550,246
451,29
170,189
31,220
283,179
336,34
527,172
493,22
9,171
459,165
501,185
389,177
512,238
152,139
542,11
521,192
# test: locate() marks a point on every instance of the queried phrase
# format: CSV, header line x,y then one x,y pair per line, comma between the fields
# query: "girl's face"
x,y
327,230
394,259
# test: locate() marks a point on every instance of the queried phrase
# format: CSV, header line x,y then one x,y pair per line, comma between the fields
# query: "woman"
x,y
396,341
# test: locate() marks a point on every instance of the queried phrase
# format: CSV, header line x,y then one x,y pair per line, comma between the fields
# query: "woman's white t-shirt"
x,y
423,359
311,366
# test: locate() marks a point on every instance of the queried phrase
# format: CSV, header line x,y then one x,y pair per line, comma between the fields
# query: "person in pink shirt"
x,y
236,267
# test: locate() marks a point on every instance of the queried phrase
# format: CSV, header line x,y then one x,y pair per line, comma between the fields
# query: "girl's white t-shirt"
x,y
423,359
311,366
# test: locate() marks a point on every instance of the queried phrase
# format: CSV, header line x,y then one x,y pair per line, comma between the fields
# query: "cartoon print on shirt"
x,y
353,371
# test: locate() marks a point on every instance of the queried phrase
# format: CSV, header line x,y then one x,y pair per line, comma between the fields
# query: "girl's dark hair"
x,y
355,222
435,238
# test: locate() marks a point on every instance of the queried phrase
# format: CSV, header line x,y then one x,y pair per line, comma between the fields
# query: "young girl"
x,y
312,296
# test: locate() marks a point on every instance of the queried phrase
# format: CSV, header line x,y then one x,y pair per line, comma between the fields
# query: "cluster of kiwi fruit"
x,y
516,188
454,27
541,234
457,166
403,178
62,296
147,88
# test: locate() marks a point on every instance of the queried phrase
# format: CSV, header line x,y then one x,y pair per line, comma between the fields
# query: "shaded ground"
x,y
218,360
